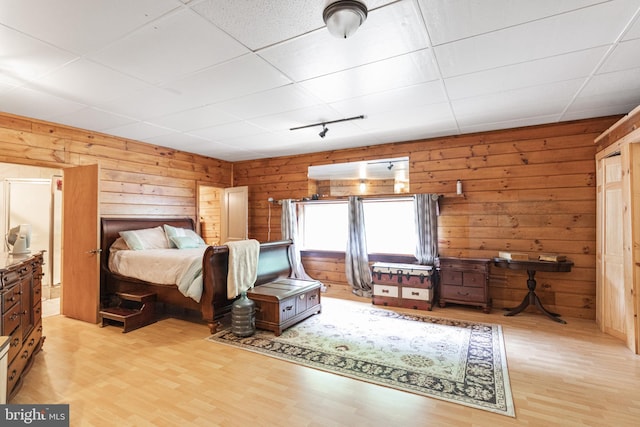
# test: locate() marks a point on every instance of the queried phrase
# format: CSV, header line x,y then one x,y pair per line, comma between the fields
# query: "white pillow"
x,y
147,238
183,238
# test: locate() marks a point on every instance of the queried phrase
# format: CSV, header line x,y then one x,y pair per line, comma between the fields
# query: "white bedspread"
x,y
181,267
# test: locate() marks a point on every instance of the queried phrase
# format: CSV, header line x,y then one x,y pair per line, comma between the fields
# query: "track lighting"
x,y
325,129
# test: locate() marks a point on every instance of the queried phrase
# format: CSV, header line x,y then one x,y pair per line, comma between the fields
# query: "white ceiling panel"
x,y
389,31
455,20
532,102
228,79
626,55
88,82
391,100
548,70
407,70
139,131
582,29
80,25
239,77
23,58
171,47
92,118
278,100
32,103
195,118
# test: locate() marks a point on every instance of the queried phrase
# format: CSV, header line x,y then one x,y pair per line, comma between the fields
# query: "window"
x,y
390,226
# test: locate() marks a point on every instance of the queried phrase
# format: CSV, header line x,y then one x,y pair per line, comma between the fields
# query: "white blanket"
x,y
181,267
243,266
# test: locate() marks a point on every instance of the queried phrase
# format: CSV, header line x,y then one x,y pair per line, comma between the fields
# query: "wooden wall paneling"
x,y
528,189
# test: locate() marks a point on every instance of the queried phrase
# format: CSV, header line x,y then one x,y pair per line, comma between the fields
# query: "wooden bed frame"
x,y
273,263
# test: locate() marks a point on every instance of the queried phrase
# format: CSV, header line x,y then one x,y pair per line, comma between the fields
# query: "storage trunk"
x,y
404,285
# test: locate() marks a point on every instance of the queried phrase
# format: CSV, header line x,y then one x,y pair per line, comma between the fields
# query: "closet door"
x,y
611,303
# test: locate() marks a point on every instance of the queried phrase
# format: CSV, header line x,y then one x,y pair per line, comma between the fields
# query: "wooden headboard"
x,y
111,227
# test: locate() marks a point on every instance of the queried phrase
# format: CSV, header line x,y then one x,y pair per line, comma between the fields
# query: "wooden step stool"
x,y
135,310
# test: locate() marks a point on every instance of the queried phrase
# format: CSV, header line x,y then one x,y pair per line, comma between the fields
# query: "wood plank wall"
x,y
527,189
136,179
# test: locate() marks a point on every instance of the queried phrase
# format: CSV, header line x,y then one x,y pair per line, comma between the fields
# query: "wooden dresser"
x,y
465,281
21,321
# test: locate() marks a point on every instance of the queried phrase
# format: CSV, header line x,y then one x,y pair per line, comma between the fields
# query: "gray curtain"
x,y
426,213
289,229
356,256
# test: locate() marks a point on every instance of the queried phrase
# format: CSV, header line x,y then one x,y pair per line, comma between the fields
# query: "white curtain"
x,y
426,214
356,256
289,229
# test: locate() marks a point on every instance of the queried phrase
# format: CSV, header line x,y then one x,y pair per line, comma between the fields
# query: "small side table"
x,y
531,266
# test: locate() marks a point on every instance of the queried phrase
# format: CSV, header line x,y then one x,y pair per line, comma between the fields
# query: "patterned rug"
x,y
457,361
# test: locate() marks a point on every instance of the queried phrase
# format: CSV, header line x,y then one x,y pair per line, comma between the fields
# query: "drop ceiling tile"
x,y
80,25
23,58
626,55
510,124
149,103
171,47
139,131
39,105
545,100
177,140
583,111
228,130
613,83
395,99
238,77
92,118
273,101
582,29
88,82
270,21
195,118
407,70
454,20
634,29
532,73
295,118
390,31
432,116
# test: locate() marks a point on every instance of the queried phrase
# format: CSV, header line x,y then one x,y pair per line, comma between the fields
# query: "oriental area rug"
x,y
453,360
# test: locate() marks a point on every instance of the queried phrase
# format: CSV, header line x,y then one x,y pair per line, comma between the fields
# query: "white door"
x,y
235,214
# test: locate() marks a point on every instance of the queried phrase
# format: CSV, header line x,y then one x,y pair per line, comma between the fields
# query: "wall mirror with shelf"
x,y
367,177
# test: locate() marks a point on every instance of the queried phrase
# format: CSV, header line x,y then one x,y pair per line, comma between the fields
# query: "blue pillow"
x,y
183,238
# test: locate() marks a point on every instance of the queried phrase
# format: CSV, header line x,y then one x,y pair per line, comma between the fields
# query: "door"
x,y
209,213
235,214
611,303
80,295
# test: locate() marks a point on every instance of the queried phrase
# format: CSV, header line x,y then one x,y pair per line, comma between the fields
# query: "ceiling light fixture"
x,y
325,129
344,17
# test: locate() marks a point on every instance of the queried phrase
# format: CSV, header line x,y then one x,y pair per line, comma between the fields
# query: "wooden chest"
x,y
404,285
465,281
285,302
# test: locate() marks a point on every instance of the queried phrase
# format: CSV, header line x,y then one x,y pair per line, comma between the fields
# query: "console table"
x,y
531,266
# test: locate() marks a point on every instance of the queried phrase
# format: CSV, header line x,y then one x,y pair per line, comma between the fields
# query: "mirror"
x,y
368,177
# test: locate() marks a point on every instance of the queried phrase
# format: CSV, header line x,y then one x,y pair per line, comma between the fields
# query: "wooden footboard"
x,y
273,263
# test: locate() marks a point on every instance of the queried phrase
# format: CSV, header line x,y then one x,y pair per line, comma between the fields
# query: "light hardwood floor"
x,y
166,374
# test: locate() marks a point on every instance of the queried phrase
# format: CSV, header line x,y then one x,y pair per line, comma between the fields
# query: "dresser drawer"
x,y
451,277
11,319
8,298
463,293
385,291
416,294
